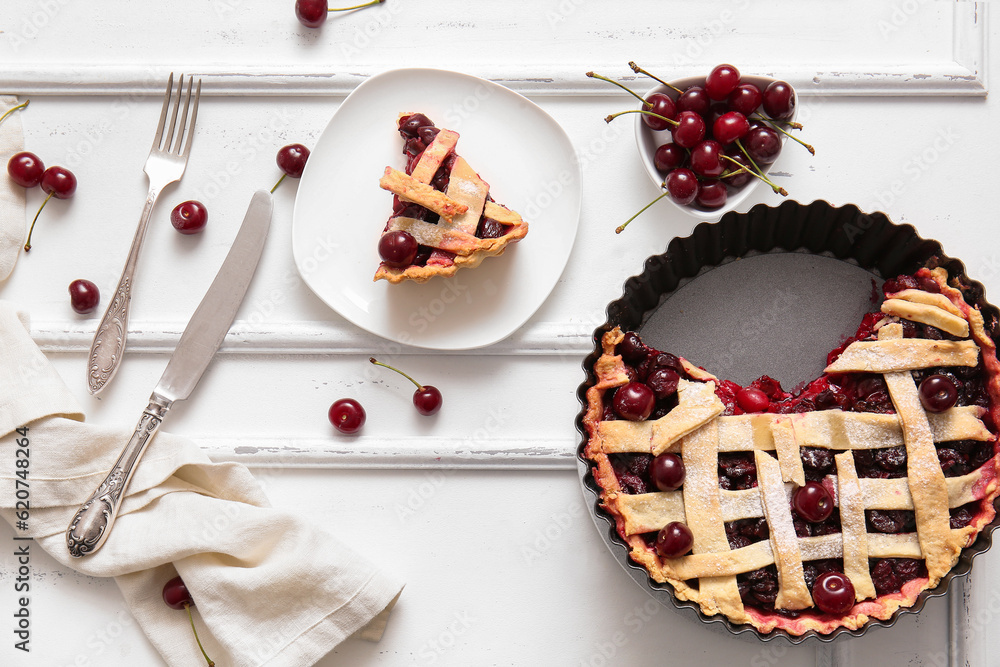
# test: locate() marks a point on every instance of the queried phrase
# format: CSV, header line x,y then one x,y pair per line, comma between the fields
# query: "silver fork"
x,y
165,164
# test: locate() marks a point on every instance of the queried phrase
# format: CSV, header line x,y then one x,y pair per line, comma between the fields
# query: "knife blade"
x,y
202,337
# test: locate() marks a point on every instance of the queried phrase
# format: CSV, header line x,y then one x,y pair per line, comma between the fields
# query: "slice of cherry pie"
x,y
443,217
814,510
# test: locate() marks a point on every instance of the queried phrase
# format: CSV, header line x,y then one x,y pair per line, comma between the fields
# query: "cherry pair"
x,y
347,415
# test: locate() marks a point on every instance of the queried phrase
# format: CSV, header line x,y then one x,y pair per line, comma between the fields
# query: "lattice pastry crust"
x,y
461,207
698,432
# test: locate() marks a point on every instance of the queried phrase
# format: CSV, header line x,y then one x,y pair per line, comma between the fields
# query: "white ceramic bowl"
x,y
649,140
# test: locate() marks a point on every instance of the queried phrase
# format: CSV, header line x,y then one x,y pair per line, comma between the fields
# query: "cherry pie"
x,y
814,510
443,217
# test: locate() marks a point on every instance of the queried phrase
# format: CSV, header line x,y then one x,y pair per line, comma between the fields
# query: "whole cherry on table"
x,y
313,13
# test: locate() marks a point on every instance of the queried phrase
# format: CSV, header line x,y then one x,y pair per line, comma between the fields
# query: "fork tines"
x,y
184,128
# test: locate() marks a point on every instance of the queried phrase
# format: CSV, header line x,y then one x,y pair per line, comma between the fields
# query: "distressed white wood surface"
x,y
246,47
497,462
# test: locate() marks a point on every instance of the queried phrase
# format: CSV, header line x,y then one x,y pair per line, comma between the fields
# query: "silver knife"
x,y
204,334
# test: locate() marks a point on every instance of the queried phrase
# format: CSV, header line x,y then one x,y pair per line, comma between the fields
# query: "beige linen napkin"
x,y
12,226
270,588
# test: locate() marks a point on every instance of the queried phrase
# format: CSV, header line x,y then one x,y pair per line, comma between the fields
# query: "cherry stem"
x,y
639,70
611,117
13,109
278,183
346,9
379,363
790,123
623,87
195,630
27,243
778,190
621,227
753,164
812,151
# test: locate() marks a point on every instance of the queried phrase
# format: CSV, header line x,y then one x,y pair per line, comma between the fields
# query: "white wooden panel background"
x,y
894,98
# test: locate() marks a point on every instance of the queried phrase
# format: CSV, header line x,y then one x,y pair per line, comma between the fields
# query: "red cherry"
x,y
25,169
737,178
730,126
632,349
661,105
83,296
667,472
938,393
398,249
745,98
813,502
682,185
711,194
752,400
189,217
292,159
663,382
721,81
347,415
706,159
312,13
779,100
176,594
690,129
694,99
669,156
833,593
427,398
674,540
58,182
634,401
763,144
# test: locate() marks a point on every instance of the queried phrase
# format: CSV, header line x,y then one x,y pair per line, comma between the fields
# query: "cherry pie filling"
x,y
859,392
418,132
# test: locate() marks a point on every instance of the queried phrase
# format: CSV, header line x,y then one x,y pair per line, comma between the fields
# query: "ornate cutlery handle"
x,y
93,521
109,342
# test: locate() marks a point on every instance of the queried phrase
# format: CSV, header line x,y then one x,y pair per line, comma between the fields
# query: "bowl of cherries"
x,y
709,140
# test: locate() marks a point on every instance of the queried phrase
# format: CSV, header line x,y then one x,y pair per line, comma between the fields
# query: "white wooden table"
x,y
480,509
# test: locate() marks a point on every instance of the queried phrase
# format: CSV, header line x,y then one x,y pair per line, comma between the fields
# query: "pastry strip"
x,y
787,448
925,477
927,314
826,429
853,529
697,404
433,156
466,188
501,214
889,356
420,193
792,590
649,512
435,236
761,554
700,451
929,298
